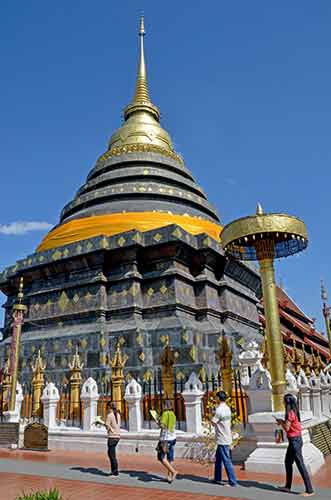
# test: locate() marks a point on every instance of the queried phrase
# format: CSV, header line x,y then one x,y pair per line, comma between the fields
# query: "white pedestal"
x,y
192,402
11,417
316,402
90,397
325,401
269,456
133,396
50,399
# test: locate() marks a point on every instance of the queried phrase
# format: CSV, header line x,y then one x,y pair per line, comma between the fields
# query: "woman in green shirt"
x,y
167,441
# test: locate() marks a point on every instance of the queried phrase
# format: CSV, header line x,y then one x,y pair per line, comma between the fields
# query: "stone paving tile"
x,y
141,478
13,484
149,464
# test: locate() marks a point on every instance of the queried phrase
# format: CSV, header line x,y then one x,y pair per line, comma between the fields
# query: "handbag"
x,y
279,436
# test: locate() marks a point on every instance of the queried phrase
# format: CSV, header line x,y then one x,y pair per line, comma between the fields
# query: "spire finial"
x,y
323,293
142,25
141,100
20,294
259,209
142,93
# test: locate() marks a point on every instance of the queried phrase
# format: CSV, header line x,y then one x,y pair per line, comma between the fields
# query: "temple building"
x,y
304,346
135,260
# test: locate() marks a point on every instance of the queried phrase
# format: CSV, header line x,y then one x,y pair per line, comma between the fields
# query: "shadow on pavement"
x,y
243,483
261,486
146,477
91,470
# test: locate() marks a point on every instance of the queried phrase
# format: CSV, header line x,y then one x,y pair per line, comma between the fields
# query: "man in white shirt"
x,y
222,423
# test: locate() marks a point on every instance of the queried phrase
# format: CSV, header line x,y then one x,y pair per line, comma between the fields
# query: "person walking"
x,y
222,423
293,429
167,440
113,426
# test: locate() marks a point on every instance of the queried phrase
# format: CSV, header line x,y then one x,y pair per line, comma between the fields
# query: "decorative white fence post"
x,y
291,383
249,360
259,391
304,388
89,396
133,396
193,395
325,398
315,386
14,416
50,399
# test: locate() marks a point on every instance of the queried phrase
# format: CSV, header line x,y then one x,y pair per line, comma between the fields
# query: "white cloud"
x,y
18,228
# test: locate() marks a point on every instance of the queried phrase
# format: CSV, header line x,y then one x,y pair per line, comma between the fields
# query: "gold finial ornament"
x,y
38,369
75,381
117,363
259,209
326,313
265,237
167,368
298,360
224,356
142,117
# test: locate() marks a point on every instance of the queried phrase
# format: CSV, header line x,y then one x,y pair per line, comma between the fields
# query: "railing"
x,y
70,412
154,398
238,396
106,391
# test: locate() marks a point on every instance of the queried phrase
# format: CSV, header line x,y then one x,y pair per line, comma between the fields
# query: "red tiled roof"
x,y
299,321
289,303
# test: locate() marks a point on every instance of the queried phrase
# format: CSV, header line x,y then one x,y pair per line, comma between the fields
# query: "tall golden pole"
x,y
266,237
18,315
275,340
326,313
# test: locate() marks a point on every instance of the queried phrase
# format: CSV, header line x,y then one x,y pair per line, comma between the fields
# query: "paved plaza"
x,y
86,476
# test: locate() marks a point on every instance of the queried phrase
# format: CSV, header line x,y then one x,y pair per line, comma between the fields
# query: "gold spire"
x,y
39,365
142,117
141,100
76,364
142,93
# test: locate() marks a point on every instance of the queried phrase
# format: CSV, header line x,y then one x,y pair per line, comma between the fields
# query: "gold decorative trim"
x,y
140,148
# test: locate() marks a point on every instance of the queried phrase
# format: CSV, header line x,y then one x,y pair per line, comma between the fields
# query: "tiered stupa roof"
x,y
139,183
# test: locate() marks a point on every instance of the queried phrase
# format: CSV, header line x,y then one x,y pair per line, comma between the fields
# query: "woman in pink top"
x,y
293,429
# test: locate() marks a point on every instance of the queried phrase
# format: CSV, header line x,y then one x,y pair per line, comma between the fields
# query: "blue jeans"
x,y
223,457
171,452
294,454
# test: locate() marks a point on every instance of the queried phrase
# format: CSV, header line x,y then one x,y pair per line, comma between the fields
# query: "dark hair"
x,y
291,404
222,395
112,406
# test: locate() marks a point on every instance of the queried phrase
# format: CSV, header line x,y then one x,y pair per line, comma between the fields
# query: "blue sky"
x,y
244,91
